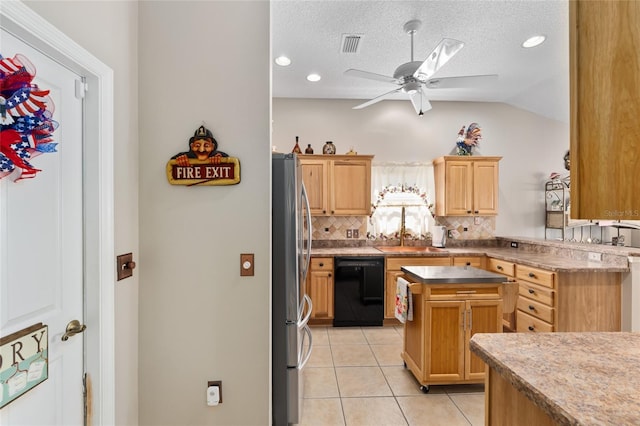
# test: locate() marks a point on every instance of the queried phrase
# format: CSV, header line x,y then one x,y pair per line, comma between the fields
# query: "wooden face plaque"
x,y
203,164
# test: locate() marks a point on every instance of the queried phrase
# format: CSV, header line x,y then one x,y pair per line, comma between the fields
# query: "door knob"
x,y
74,327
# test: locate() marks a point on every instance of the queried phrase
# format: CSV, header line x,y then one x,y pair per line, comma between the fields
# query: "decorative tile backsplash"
x,y
338,227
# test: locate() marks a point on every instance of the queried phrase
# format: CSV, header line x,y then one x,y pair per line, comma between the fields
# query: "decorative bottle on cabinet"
x,y
296,148
329,148
309,150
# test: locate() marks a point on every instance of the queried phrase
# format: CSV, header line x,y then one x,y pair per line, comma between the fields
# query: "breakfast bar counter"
x,y
561,378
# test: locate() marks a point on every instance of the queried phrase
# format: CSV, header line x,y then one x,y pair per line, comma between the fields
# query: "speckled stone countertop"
x,y
551,261
576,378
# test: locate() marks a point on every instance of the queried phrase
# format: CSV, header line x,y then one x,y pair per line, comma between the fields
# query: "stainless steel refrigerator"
x,y
291,306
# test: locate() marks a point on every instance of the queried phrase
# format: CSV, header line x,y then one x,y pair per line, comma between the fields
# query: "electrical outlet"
x,y
449,233
514,244
595,257
476,220
349,233
356,233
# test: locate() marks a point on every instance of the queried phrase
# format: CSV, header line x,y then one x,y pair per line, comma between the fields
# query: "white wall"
x,y
108,30
531,146
199,320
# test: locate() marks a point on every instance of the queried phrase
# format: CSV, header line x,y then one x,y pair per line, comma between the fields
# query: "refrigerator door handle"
x,y
307,259
303,359
305,301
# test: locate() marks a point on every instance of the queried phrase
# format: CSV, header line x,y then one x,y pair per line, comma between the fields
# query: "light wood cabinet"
x,y
567,301
508,269
466,186
338,185
320,286
475,261
604,81
392,272
445,317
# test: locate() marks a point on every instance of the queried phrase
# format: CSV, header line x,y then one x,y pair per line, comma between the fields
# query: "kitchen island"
x,y
560,378
450,305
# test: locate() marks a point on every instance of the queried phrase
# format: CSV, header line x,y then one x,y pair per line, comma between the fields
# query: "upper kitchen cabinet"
x,y
605,106
338,185
466,186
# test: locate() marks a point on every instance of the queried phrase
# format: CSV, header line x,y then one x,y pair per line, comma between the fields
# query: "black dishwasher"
x,y
359,291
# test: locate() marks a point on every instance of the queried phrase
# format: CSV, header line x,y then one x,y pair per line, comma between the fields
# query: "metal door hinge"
x,y
81,88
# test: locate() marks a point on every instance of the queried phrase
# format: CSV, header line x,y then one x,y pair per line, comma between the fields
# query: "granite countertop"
x,y
451,275
549,261
576,378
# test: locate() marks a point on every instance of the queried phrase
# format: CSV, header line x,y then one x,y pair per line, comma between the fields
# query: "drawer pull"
x,y
466,292
532,275
499,268
531,291
531,328
532,308
321,264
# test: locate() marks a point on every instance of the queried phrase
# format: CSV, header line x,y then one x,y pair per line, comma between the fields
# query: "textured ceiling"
x,y
537,79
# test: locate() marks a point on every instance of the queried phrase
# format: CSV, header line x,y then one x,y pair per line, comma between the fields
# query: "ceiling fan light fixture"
x,y
534,41
411,87
313,77
283,61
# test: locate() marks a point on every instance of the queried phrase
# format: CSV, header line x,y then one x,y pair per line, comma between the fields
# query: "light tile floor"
x,y
355,376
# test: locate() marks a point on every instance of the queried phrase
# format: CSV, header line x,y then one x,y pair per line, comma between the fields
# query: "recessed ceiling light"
x,y
283,61
313,77
534,41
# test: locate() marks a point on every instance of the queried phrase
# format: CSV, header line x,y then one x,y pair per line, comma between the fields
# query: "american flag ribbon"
x,y
27,101
10,65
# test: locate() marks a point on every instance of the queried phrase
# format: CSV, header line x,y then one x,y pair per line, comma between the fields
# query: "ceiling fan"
x,y
414,77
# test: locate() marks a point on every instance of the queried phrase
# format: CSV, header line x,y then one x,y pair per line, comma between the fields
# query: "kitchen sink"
x,y
410,249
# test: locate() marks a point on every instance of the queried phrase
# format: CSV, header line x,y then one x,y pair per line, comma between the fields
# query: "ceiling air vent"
x,y
351,43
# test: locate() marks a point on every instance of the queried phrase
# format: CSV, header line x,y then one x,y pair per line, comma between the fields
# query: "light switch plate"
x,y
246,264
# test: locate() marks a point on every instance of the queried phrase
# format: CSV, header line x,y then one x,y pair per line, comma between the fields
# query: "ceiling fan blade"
x,y
371,76
377,99
420,102
438,57
469,81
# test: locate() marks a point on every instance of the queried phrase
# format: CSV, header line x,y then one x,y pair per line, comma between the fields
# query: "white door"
x,y
41,253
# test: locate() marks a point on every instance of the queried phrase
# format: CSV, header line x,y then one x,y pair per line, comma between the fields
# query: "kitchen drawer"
x,y
322,263
536,309
536,293
501,267
474,261
457,291
528,324
535,275
394,263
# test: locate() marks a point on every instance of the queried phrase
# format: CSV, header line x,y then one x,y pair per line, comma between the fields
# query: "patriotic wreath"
x,y
26,125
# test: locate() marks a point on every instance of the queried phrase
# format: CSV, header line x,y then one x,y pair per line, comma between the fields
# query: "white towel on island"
x,y
404,304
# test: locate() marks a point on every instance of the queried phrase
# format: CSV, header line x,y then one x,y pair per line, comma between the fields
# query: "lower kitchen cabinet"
x,y
320,288
392,268
475,261
445,317
509,320
551,301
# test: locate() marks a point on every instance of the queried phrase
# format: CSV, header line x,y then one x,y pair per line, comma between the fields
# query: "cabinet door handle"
x,y
532,308
468,211
464,319
532,291
468,263
476,212
470,320
532,275
332,211
531,328
329,275
324,211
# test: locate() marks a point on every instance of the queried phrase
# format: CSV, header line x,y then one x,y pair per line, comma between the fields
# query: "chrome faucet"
x,y
402,229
